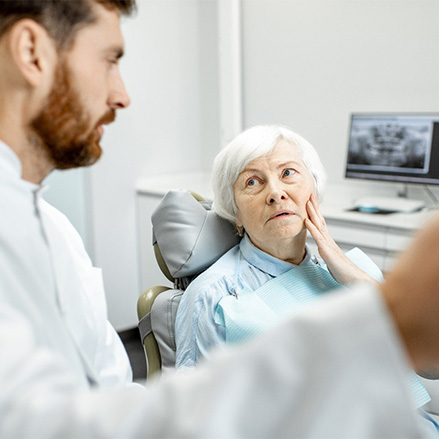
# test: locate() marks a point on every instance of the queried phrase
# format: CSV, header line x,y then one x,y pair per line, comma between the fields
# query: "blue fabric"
x,y
196,330
252,312
432,423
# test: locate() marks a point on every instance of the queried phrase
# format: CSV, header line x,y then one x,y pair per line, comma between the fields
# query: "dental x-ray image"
x,y
390,144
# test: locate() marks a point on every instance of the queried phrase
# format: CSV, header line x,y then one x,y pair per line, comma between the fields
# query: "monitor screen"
x,y
394,147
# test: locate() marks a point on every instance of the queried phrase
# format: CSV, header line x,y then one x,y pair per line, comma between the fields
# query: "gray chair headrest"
x,y
189,235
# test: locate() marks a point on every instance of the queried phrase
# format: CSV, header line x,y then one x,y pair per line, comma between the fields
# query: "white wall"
x,y
306,64
68,191
170,70
309,63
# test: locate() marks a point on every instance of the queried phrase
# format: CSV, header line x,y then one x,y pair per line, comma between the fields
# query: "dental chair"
x,y
188,237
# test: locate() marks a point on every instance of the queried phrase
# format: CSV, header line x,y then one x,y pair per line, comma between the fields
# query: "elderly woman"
x,y
267,182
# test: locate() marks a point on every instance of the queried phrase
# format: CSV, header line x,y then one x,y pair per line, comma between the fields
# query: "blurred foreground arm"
x,y
411,292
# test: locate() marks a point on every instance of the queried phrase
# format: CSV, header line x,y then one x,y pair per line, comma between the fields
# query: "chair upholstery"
x,y
188,237
159,341
189,234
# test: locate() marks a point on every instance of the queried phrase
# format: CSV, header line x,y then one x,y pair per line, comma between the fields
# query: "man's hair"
x,y
61,18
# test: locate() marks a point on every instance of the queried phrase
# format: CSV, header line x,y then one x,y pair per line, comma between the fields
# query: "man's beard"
x,y
63,127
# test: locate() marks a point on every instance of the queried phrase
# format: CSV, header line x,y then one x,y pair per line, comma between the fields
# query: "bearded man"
x,y
58,91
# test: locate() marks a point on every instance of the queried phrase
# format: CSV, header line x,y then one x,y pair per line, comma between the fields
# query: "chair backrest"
x,y
188,237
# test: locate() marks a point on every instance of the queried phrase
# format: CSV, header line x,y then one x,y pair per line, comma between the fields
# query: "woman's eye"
x,y
288,172
252,182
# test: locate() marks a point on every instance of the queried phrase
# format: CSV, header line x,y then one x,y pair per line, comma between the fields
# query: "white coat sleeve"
x,y
335,370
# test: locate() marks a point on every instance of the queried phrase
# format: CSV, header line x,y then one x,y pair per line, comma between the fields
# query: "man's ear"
x,y
33,51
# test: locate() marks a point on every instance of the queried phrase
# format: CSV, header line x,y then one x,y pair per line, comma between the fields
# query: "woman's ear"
x,y
238,221
238,224
33,51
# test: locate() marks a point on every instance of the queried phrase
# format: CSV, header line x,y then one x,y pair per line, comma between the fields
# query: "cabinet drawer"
x,y
359,236
398,240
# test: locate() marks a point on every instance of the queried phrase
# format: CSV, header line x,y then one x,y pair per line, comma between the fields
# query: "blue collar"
x,y
265,262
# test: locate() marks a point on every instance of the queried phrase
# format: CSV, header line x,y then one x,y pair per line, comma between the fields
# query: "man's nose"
x,y
119,97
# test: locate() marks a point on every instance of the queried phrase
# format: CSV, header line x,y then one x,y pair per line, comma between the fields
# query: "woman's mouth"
x,y
281,214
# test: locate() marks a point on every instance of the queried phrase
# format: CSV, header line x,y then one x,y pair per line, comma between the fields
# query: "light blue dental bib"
x,y
247,313
252,312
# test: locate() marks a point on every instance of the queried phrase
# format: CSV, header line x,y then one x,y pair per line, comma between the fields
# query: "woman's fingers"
x,y
316,216
340,266
315,233
316,226
312,214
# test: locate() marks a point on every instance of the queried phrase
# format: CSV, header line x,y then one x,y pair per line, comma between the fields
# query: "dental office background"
x,y
200,71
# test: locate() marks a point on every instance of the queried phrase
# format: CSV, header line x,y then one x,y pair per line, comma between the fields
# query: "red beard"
x,y
63,126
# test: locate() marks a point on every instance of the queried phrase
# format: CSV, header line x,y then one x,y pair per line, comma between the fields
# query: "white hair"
x,y
249,145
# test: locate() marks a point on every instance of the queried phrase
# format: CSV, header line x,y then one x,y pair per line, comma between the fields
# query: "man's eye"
x,y
288,172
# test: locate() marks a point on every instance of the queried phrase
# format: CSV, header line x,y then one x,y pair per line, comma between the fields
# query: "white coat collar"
x,y
9,161
10,165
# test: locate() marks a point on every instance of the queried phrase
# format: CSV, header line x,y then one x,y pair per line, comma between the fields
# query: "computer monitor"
x,y
394,147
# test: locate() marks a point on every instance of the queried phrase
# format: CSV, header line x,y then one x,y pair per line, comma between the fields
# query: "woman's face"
x,y
271,195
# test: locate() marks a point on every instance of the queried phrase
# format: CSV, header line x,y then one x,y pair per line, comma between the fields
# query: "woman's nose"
x,y
275,193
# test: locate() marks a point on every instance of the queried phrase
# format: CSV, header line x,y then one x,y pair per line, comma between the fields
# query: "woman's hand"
x,y
340,266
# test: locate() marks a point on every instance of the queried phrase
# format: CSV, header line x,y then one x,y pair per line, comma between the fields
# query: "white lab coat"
x,y
335,370
47,276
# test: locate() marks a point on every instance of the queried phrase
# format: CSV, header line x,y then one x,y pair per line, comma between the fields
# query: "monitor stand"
x,y
388,205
